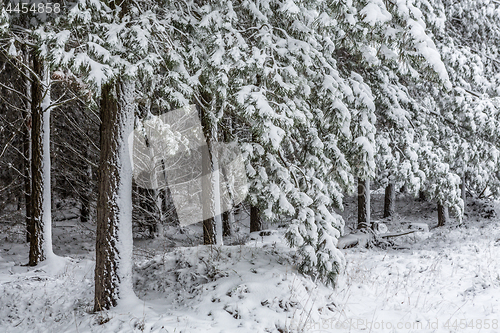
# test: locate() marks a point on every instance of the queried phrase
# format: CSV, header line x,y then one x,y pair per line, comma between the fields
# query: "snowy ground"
x,y
444,280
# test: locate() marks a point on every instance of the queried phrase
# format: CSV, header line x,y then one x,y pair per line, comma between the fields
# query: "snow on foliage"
x,y
321,92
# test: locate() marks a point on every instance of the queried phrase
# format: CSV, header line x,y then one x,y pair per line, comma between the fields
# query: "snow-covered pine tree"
x,y
24,39
115,50
114,206
461,122
274,66
397,54
470,49
41,226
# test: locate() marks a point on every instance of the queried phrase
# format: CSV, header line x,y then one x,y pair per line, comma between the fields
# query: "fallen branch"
x,y
397,234
362,239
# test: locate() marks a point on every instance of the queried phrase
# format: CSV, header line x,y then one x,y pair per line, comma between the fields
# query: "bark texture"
x,y
227,222
212,216
443,216
390,200
27,176
27,154
363,203
114,203
207,193
38,178
85,195
255,219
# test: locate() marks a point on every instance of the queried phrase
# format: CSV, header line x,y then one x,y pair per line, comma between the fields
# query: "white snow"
x,y
124,196
46,182
436,281
375,12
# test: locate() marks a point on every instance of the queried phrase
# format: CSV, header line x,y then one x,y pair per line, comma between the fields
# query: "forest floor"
x,y
446,279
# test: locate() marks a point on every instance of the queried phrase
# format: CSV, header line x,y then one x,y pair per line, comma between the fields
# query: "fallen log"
x,y
362,239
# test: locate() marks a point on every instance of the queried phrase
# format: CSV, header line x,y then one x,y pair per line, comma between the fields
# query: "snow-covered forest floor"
x,y
444,280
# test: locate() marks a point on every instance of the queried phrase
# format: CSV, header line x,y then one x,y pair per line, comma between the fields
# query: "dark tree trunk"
x,y
363,203
27,176
421,195
207,194
114,203
463,191
443,216
212,219
168,207
390,200
27,154
85,207
85,195
228,215
38,177
255,219
148,201
227,222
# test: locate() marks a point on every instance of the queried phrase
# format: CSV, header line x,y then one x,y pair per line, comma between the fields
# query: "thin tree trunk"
x,y
27,176
113,268
151,199
363,203
217,195
27,154
255,220
227,222
463,191
390,200
169,212
228,215
443,216
41,233
148,201
85,195
207,194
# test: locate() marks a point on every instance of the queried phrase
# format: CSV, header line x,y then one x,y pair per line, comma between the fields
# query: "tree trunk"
x,y
227,223
228,215
443,216
363,203
212,216
390,200
85,195
27,175
215,183
168,209
27,154
255,220
463,191
151,209
421,195
208,219
113,268
40,229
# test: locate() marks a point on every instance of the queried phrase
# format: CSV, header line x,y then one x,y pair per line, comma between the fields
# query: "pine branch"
x,y
484,55
475,94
